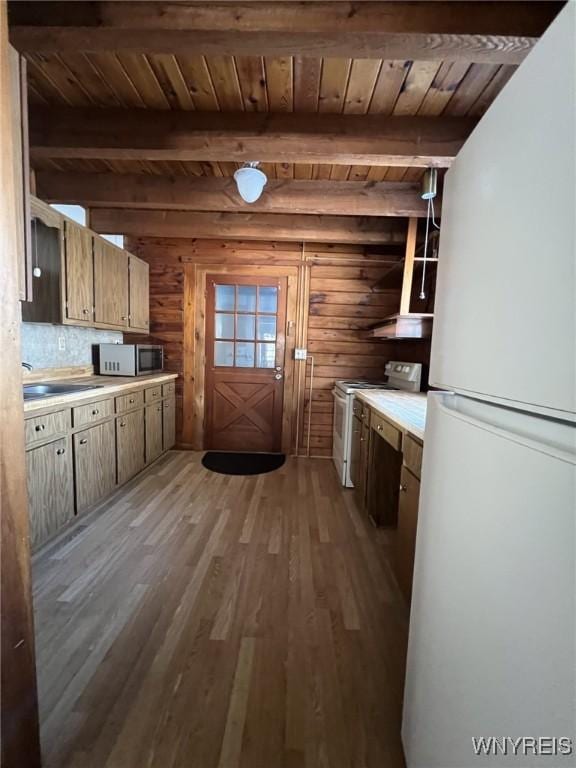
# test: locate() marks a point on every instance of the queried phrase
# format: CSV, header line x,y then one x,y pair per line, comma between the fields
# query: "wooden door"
x,y
94,464
110,284
79,273
169,423
153,432
50,489
139,294
245,346
406,534
364,440
130,445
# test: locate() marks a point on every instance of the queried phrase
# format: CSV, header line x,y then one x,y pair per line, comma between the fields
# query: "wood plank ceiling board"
x,y
415,86
112,71
222,71
279,81
168,73
252,78
195,71
471,87
333,84
502,32
442,88
307,73
361,82
139,70
492,90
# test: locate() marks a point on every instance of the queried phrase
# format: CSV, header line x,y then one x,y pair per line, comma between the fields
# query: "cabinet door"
x,y
79,273
154,443
169,423
50,489
355,450
406,535
139,294
94,464
383,481
130,444
360,485
110,284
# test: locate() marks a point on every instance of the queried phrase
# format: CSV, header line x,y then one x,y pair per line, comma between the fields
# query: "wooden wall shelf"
x,y
411,326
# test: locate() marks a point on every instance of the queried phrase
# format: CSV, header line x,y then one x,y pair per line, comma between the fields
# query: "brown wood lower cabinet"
x,y
129,445
50,489
154,443
384,466
169,423
406,534
94,464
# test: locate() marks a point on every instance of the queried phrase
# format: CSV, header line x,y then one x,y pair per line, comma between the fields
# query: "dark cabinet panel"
x,y
385,463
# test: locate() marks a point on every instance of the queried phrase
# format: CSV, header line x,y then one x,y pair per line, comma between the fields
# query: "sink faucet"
x,y
27,366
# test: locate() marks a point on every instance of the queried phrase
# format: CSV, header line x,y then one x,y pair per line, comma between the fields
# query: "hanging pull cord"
x,y
422,293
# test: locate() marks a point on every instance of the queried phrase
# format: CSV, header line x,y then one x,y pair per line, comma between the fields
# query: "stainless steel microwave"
x,y
130,359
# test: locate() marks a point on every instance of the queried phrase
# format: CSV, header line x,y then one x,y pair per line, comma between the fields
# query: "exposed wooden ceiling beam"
x,y
246,226
194,193
132,134
496,32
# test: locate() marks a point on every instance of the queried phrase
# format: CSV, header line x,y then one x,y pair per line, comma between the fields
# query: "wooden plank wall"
x,y
341,300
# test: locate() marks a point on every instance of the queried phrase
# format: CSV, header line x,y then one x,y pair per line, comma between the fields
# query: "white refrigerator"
x,y
492,646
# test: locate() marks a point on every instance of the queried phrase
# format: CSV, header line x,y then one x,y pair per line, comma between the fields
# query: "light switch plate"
x,y
61,343
300,354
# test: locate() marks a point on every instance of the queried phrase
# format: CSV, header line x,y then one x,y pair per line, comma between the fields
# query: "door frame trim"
x,y
194,352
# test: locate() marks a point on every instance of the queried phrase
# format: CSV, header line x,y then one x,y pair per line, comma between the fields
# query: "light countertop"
x,y
406,410
108,386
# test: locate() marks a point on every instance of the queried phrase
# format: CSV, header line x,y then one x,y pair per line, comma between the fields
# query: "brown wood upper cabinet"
x,y
111,302
79,260
139,294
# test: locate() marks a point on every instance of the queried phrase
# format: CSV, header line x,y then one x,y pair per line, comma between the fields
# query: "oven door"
x,y
149,359
340,436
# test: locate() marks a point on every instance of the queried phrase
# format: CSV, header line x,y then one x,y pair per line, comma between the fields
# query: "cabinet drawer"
x,y
387,431
131,400
168,389
40,428
413,455
83,415
153,393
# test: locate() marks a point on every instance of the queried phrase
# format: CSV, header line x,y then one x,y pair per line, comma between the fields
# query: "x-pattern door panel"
x,y
245,347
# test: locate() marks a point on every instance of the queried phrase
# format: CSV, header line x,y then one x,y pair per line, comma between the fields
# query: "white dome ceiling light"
x,y
250,182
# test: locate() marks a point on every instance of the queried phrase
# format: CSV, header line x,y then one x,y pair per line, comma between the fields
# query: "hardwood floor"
x,y
206,621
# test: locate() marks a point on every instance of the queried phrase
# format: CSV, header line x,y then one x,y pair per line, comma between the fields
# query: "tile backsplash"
x,y
58,346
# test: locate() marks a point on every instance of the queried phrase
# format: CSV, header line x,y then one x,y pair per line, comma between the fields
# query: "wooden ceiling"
x,y
440,61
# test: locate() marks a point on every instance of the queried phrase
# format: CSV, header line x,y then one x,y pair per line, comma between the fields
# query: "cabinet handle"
x,y
131,400
86,311
403,487
361,439
40,427
124,317
60,451
84,441
159,408
379,427
122,423
95,412
154,394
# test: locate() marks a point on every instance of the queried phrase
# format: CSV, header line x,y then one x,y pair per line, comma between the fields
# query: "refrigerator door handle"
x,y
554,438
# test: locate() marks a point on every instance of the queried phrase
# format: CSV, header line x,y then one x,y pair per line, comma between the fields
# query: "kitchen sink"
x,y
34,391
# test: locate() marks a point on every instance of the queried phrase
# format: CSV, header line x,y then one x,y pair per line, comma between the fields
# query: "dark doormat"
x,y
242,463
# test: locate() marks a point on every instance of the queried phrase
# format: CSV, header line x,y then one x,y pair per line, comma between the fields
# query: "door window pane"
x,y
267,327
224,353
246,301
224,326
225,297
245,327
266,355
244,354
267,298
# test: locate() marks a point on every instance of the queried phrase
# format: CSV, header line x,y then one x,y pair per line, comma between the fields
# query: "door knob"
x,y
278,376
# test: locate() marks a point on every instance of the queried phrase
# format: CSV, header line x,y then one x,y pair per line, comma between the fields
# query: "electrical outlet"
x,y
300,354
61,343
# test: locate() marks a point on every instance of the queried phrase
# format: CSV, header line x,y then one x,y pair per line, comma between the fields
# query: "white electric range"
x,y
405,377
